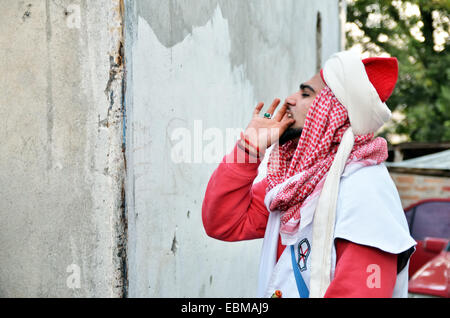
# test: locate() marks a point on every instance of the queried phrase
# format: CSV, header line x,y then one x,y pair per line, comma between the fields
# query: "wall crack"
x,y
115,122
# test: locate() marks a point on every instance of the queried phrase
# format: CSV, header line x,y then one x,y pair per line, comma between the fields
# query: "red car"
x,y
429,269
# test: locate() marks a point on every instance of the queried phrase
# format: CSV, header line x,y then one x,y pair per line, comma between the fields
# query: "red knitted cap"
x,y
382,73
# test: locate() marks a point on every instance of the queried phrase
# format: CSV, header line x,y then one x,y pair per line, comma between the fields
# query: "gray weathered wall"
x,y
200,65
61,161
71,205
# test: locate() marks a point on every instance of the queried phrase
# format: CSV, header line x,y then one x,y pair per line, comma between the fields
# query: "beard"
x,y
290,134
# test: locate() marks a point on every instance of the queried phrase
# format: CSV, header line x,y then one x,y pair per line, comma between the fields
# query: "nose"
x,y
290,101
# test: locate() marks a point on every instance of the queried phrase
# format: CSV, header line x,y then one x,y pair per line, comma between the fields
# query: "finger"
x,y
286,122
281,112
258,109
274,105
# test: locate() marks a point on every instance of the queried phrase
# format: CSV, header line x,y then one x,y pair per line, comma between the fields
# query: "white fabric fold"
x,y
324,220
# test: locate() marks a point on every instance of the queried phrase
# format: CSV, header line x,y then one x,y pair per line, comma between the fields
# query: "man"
x,y
330,215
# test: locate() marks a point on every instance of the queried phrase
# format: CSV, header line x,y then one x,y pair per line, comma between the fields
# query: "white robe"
x,y
368,212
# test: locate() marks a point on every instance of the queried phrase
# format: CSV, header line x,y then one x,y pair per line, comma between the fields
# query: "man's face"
x,y
299,104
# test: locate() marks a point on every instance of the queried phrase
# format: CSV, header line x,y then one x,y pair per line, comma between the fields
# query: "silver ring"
x,y
268,116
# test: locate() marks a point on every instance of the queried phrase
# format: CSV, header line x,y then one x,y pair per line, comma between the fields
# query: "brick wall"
x,y
413,188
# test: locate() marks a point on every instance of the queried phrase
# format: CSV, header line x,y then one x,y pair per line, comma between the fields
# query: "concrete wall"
x,y
61,161
93,207
203,68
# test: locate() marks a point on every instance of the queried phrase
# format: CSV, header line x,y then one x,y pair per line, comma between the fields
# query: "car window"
x,y
429,219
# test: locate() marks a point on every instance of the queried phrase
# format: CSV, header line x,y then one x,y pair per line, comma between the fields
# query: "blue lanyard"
x,y
301,286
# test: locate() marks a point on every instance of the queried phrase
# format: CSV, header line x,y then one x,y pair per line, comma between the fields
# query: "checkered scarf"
x,y
325,124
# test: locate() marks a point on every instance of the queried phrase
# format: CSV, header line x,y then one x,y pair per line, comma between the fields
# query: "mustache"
x,y
290,134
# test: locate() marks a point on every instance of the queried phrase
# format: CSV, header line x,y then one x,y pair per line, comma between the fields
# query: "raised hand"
x,y
262,132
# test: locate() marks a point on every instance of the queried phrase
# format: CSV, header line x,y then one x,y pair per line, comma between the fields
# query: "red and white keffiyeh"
x,y
325,124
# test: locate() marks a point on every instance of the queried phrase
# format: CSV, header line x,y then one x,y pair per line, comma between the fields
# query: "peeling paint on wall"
x,y
169,90
211,63
263,20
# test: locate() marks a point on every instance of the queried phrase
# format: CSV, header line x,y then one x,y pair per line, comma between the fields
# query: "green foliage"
x,y
417,33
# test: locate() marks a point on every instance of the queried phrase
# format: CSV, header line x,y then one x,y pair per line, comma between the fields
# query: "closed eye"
x,y
304,88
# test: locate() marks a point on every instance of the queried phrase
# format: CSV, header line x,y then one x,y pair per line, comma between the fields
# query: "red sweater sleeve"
x,y
233,207
362,272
